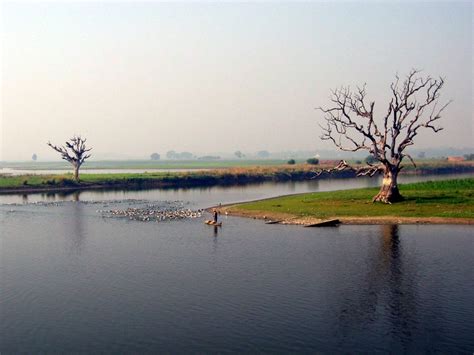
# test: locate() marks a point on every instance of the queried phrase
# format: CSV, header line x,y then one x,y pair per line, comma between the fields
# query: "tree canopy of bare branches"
x,y
351,125
74,151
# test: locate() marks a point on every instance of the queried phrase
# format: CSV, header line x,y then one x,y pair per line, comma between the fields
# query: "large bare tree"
x,y
74,151
351,125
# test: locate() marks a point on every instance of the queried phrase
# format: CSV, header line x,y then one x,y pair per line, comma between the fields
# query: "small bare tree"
x,y
74,151
351,125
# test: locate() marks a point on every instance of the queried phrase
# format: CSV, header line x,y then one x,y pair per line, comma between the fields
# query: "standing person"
x,y
214,212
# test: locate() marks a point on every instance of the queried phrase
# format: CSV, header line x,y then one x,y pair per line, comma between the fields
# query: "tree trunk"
x,y
76,172
389,191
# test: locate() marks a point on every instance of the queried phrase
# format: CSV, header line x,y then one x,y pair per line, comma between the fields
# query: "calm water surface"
x,y
72,280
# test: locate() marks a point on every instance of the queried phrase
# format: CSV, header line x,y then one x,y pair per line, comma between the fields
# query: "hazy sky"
x,y
136,78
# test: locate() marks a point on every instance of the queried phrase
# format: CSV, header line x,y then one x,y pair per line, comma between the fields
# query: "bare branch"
x,y
367,170
410,158
339,167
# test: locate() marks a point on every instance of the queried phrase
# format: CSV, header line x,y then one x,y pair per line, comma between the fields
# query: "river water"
x,y
73,280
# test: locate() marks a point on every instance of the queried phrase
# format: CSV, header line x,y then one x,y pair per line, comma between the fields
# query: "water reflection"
x,y
77,235
402,291
386,291
215,240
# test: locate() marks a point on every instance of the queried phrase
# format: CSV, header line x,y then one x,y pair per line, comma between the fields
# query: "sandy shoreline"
x,y
290,219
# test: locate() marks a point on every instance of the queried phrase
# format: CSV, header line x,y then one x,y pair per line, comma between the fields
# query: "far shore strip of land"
x,y
432,202
25,184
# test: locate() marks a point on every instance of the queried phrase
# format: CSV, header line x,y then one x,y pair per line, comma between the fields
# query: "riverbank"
x,y
133,181
224,177
432,202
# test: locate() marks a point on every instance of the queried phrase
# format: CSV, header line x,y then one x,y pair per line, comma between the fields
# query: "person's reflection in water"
x,y
24,199
215,240
386,294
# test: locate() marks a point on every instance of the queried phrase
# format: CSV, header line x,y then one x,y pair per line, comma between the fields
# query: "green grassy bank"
x,y
242,175
444,199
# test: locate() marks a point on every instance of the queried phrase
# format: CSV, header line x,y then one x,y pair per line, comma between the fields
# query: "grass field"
x,y
447,199
195,164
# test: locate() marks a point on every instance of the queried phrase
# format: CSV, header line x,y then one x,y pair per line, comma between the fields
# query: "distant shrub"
x,y
155,156
358,161
291,162
469,156
313,161
25,182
